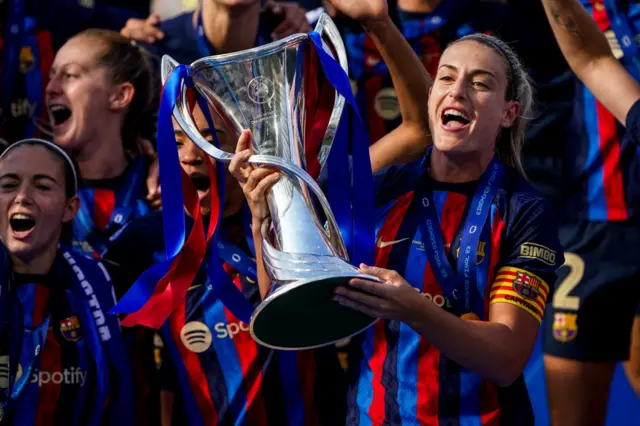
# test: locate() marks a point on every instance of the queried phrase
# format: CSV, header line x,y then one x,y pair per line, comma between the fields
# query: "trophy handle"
x,y
296,175
326,27
182,114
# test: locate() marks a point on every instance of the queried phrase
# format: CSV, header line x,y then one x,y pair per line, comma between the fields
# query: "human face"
x,y
467,106
33,201
80,95
192,160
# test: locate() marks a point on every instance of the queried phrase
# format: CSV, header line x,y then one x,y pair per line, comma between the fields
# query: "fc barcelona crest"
x,y
526,286
70,329
565,327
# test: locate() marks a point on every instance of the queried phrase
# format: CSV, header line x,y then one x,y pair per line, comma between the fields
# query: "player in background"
x,y
99,99
449,348
217,27
61,356
590,323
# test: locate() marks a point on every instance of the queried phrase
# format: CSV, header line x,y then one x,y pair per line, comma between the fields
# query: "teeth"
x,y
54,108
20,216
456,113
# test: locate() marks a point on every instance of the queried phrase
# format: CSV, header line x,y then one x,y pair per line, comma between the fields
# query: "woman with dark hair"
x,y
461,297
99,99
60,352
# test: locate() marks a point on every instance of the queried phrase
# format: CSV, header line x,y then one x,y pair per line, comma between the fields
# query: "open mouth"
x,y
21,223
60,114
201,182
454,119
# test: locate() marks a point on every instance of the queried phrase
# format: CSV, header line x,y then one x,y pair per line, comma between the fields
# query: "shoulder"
x,y
395,181
530,236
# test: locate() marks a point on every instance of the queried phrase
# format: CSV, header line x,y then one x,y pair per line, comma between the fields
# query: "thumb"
x,y
382,273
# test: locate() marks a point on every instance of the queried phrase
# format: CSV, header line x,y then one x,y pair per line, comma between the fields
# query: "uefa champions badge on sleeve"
x,y
266,90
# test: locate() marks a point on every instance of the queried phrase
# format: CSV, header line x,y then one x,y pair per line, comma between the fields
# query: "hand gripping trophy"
x,y
265,89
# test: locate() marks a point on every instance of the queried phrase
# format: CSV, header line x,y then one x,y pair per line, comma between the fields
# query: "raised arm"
x,y
588,53
410,80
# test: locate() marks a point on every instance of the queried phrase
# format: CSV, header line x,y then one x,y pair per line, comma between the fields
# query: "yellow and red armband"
x,y
520,288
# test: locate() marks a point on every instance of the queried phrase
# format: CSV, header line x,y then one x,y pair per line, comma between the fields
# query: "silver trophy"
x,y
265,89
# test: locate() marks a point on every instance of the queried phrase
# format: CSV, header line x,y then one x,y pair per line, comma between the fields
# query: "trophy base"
x,y
303,315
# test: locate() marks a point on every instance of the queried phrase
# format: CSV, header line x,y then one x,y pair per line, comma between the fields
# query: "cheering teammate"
x,y
458,329
214,372
216,27
99,99
589,325
60,353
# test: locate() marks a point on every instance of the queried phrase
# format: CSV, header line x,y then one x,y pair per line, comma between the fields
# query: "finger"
x,y
263,186
239,168
244,141
371,287
286,28
153,19
384,274
357,305
255,178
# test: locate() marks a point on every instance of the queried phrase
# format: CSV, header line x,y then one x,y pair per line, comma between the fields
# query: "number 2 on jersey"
x,y
561,298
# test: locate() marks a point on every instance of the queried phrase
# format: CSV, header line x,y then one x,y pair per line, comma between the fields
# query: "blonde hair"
x,y
519,88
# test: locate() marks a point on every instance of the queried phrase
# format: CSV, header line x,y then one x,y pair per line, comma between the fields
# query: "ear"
x,y
71,209
510,114
121,96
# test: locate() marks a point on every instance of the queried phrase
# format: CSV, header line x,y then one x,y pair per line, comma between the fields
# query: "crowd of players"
x,y
533,104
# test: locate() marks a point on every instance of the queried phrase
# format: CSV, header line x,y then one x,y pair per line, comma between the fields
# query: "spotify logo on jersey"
x,y
196,336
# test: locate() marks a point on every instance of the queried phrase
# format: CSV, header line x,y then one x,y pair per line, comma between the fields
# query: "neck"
x,y
418,6
459,168
39,264
229,29
102,159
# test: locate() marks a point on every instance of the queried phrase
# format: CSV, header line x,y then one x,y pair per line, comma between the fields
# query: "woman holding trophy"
x,y
465,248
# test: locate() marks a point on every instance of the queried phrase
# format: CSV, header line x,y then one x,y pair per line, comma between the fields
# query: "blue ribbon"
x,y
465,276
626,38
358,227
173,219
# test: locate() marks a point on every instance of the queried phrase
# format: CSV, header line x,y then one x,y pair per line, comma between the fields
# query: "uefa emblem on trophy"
x,y
265,89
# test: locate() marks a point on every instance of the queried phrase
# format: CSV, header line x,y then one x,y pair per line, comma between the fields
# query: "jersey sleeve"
x,y
530,255
633,122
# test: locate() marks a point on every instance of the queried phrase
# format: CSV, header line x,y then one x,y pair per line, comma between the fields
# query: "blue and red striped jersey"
x,y
429,34
600,160
401,378
218,373
106,206
55,327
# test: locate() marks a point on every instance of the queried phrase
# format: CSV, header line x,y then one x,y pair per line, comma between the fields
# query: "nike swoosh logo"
x,y
383,244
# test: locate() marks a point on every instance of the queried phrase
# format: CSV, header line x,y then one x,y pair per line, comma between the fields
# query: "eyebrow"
x,y
473,72
35,177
